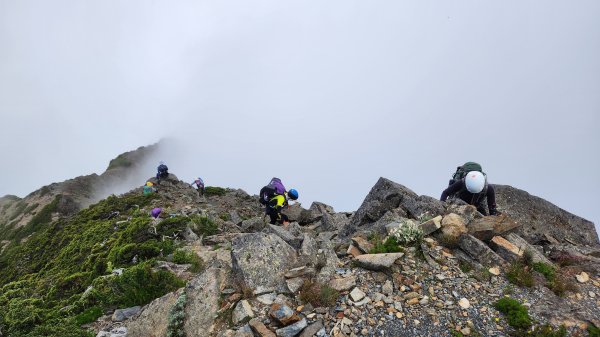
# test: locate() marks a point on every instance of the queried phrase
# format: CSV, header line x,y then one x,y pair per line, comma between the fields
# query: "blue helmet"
x,y
293,194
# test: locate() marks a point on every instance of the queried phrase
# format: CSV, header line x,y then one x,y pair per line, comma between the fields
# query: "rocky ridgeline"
x,y
68,197
316,276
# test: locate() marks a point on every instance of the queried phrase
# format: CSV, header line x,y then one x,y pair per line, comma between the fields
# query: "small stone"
x,y
465,331
387,288
440,277
592,294
464,303
399,315
424,300
260,328
357,294
494,271
583,277
242,311
267,299
411,295
412,301
343,284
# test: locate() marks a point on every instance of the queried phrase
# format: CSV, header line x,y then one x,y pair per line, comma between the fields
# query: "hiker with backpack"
x,y
469,183
275,197
149,188
162,171
199,185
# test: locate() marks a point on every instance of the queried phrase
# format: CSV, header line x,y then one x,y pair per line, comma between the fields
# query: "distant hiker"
x,y
149,188
469,183
162,171
156,212
199,185
275,198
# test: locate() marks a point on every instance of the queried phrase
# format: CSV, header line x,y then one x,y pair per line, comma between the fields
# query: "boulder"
x,y
453,226
283,314
431,225
363,244
312,329
260,260
292,330
255,224
485,228
203,299
479,251
308,250
466,211
286,235
242,312
294,284
537,217
123,314
506,249
260,329
153,319
315,213
523,245
294,212
377,261
327,261
387,195
343,284
333,222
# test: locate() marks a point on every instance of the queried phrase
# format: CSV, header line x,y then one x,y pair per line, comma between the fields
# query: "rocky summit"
x,y
400,265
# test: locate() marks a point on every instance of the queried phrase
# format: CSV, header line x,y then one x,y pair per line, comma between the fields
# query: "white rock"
x,y
583,277
267,299
464,303
357,294
494,271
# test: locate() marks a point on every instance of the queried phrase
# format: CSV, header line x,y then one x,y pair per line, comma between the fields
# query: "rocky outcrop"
x,y
387,195
203,301
537,217
260,260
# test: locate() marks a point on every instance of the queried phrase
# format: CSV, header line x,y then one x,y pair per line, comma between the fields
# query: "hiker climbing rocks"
x,y
149,188
275,198
469,183
162,171
199,185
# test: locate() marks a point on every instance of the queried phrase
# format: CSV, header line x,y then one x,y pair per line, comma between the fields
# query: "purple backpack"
x,y
277,185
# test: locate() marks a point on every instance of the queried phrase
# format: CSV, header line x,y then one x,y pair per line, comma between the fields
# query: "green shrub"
x,y
137,285
213,190
390,245
516,314
88,316
593,331
465,266
318,294
520,274
408,232
204,226
182,256
545,269
143,251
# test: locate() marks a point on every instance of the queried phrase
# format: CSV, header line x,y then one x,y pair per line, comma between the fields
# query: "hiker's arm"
x,y
451,190
491,200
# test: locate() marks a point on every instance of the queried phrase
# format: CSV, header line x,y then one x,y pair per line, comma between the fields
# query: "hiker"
x,y
275,198
149,188
199,185
162,171
469,183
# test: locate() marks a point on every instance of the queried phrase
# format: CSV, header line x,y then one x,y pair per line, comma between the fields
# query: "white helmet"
x,y
475,181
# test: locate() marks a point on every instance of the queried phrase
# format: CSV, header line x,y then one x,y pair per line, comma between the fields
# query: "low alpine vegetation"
x,y
408,232
318,294
516,314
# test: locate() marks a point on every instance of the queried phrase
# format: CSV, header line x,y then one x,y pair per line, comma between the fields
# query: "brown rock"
x,y
431,225
453,225
362,244
412,301
352,250
505,249
343,284
259,328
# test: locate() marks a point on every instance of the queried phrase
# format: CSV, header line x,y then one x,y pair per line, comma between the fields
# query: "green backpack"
x,y
462,171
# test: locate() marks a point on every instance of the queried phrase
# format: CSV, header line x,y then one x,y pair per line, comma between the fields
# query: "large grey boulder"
x,y
387,195
523,245
377,261
255,224
314,213
487,227
333,222
203,298
122,314
327,261
286,235
294,212
479,251
260,260
153,319
537,217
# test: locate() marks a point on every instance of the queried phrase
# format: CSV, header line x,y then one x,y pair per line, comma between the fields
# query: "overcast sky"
x,y
327,95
